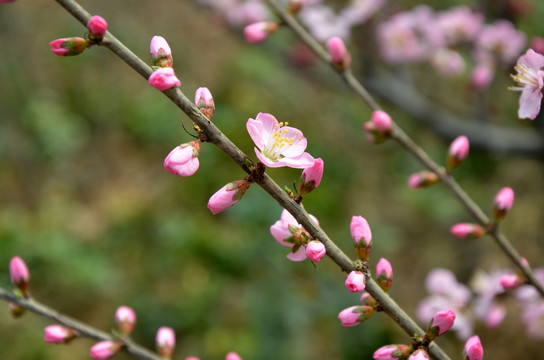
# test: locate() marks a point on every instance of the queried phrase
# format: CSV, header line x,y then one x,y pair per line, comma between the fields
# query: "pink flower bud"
x,y
391,352
125,318
473,349
57,334
361,231
183,159
466,231
537,44
233,356
368,300
422,179
458,152
104,350
259,31
97,26
311,177
338,52
227,196
384,271
510,281
204,102
382,121
18,271
441,322
164,79
165,341
419,354
315,250
69,46
356,282
503,202
355,315
161,54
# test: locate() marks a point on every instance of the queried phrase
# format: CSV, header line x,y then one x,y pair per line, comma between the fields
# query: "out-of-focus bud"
x,y
503,203
69,46
19,274
232,356
422,179
441,322
379,128
315,250
58,334
164,79
97,27
362,237
104,350
473,349
511,281
16,310
355,315
259,31
183,159
227,196
466,231
311,177
338,52
537,44
160,51
392,352
419,354
165,342
294,6
384,271
356,282
204,102
125,318
458,152
368,300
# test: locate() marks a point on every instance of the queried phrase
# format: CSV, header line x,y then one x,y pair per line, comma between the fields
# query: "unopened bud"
x,y
204,102
441,322
473,349
422,179
104,350
384,271
368,300
232,356
160,51
97,27
356,282
19,274
125,318
511,281
458,152
362,237
58,334
227,196
338,52
69,46
165,341
355,315
294,6
183,159
392,352
315,250
311,177
164,79
466,231
504,200
259,31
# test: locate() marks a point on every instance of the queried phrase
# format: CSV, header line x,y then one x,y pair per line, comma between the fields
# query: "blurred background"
x,y
85,201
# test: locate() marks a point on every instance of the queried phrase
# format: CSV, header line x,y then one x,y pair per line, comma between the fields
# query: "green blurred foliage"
x,y
85,201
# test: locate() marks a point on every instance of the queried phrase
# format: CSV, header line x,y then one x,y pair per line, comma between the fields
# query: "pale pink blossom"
x,y
204,101
323,23
232,356
311,177
458,151
488,306
460,24
315,250
260,31
501,40
164,79
278,144
419,354
97,25
359,11
68,46
355,315
532,306
57,334
355,282
473,349
338,52
125,318
482,75
447,62
467,231
18,272
242,14
530,82
104,350
183,159
384,272
288,232
165,341
227,196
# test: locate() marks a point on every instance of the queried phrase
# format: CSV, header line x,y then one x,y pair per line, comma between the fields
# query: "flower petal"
x,y
298,255
299,142
529,103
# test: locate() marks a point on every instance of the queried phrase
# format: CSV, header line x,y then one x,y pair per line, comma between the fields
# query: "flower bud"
x,y
165,341
58,334
311,177
384,271
338,52
315,250
227,196
183,159
164,79
161,55
104,350
204,102
125,318
466,231
259,31
503,203
392,352
97,27
355,315
361,231
441,322
473,349
422,179
511,281
232,356
458,152
368,300
19,274
294,6
419,354
356,282
69,46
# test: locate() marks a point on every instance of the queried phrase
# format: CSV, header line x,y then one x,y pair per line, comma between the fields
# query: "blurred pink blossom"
x,y
419,354
473,349
501,40
288,232
104,350
57,334
259,31
165,341
460,24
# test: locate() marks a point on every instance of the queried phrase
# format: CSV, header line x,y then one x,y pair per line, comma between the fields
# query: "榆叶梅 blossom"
x,y
530,80
278,145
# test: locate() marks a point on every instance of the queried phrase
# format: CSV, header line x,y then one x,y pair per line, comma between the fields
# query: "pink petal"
x,y
298,255
529,103
299,142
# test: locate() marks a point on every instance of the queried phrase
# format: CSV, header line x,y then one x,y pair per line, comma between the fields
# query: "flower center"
x,y
526,77
279,142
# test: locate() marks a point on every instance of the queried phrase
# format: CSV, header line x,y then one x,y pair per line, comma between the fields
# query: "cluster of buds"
x,y
71,46
379,128
163,76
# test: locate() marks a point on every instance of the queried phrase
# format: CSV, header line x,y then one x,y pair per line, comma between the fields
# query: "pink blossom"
x,y
482,75
233,356
441,322
356,282
359,11
487,304
315,250
227,196
104,350
165,341
68,46
504,199
57,334
164,79
466,231
501,40
419,354
510,281
311,177
288,232
19,273
530,82
355,315
242,14
125,318
97,25
473,349
278,144
183,159
458,151
338,52
384,271
422,179
382,121
447,62
259,31
323,23
204,102
459,24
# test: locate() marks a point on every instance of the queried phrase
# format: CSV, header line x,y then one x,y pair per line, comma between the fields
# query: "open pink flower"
x,y
278,145
288,232
183,160
530,82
